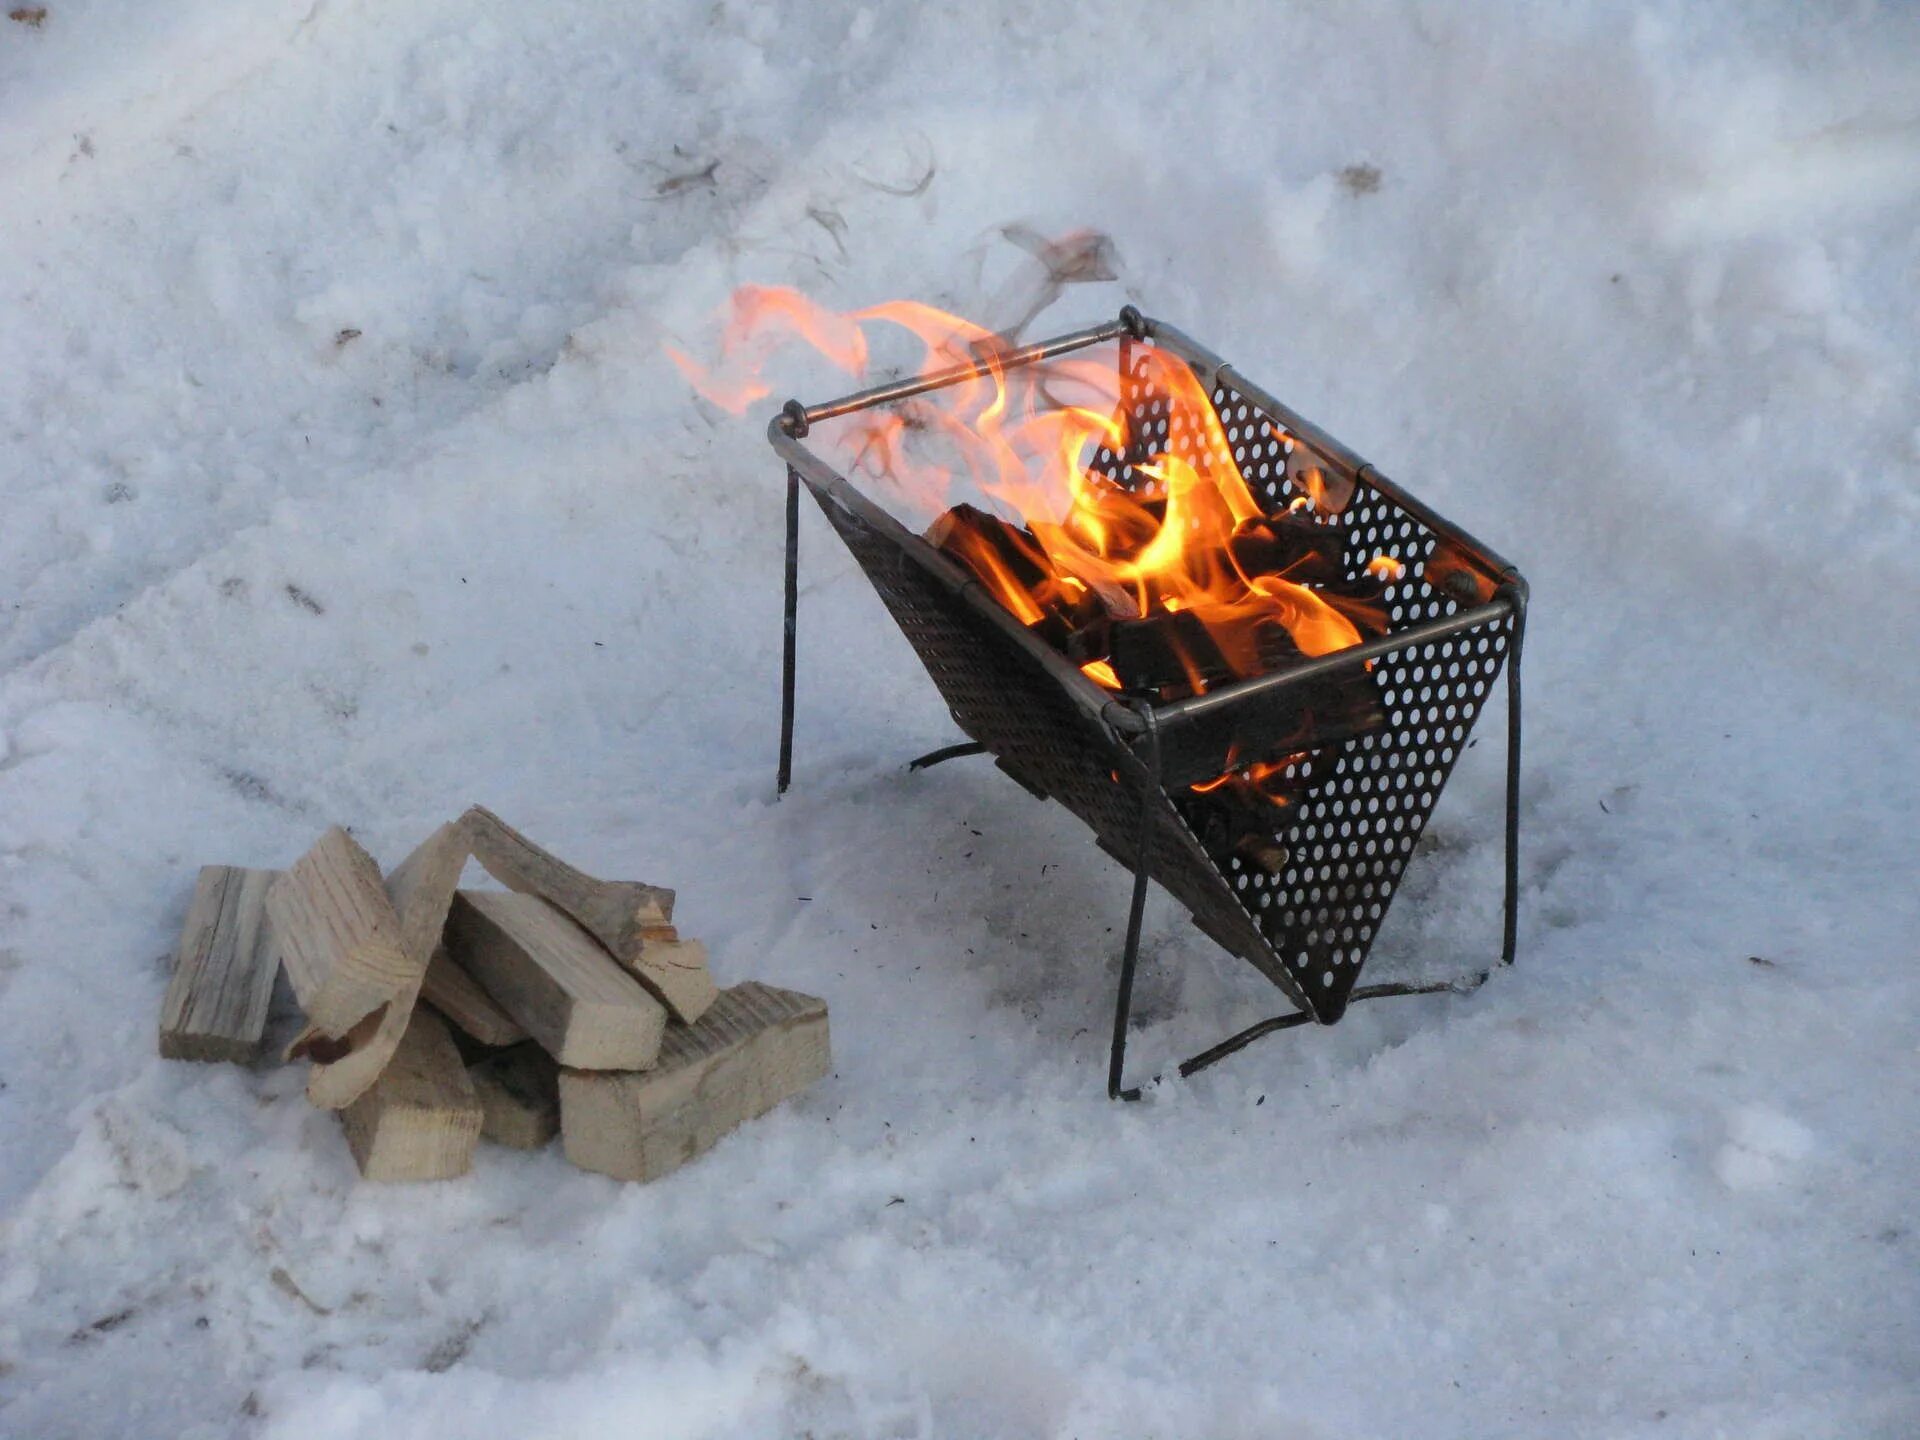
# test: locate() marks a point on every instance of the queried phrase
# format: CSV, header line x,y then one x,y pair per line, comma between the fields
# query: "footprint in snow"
x,y
1763,1148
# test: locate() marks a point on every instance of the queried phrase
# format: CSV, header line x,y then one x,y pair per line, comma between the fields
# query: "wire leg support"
x,y
1130,957
1511,926
785,777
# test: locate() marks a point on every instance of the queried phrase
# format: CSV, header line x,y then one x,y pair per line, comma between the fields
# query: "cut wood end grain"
x,y
756,1047
420,1120
216,1003
519,1097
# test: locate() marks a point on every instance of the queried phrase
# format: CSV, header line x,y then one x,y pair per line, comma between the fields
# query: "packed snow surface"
x,y
345,481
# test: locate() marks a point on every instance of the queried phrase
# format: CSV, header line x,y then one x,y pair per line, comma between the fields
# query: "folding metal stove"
x,y
1308,916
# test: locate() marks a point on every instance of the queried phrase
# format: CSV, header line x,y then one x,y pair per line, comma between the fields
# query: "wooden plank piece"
x,y
420,1120
664,964
459,998
554,978
216,1003
338,934
519,1097
617,913
754,1048
418,894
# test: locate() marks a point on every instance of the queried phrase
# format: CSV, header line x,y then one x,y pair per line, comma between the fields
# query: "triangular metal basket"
x,y
1305,914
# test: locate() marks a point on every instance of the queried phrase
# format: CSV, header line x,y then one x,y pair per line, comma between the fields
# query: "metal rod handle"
x,y
1010,358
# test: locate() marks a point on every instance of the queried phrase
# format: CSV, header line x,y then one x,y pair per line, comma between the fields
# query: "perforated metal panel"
x,y
1350,839
1309,922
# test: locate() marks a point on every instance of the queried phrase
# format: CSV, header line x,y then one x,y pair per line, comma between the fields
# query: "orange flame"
x,y
1026,438
1262,780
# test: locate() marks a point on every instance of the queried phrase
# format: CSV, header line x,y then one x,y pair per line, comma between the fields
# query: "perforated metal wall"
x,y
1351,837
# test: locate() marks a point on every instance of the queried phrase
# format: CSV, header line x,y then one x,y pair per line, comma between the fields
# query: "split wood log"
x,y
216,1003
756,1047
519,1092
417,896
984,543
675,954
338,934
459,998
1068,613
556,980
420,1120
617,913
1167,653
1290,547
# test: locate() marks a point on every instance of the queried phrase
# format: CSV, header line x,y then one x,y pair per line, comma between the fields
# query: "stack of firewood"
x,y
436,1015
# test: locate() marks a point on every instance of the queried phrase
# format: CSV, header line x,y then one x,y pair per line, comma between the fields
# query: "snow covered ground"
x,y
344,480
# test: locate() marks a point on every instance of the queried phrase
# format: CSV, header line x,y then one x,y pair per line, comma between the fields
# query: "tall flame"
x,y
1025,437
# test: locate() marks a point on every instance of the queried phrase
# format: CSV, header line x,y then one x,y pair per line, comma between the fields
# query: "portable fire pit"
x,y
1355,743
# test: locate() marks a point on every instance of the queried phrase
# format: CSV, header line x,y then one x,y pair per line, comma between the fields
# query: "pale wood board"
x,y
216,1004
519,1097
458,997
755,1047
617,913
556,980
419,892
420,1120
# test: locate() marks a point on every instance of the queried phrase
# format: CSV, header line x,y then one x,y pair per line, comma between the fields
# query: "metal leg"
x,y
1237,1042
1510,932
946,753
785,777
1130,957
1216,1053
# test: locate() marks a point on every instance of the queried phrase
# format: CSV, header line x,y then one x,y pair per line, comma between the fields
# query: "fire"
x,y
1261,780
1184,557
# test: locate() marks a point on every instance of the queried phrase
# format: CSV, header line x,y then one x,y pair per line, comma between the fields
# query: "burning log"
x,y
991,547
1273,590
1178,653
1068,613
1240,626
1289,547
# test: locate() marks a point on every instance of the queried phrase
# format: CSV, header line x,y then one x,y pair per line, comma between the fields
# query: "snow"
x,y
1633,297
